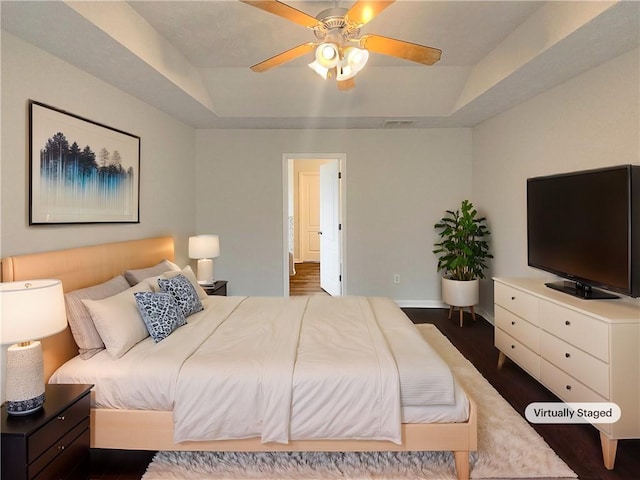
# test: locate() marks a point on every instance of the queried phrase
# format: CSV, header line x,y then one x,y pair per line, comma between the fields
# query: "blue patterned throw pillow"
x,y
183,293
160,312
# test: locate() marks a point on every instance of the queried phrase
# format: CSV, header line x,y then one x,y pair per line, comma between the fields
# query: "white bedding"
x,y
304,380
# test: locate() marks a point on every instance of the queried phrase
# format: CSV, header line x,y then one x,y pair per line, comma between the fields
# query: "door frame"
x,y
287,193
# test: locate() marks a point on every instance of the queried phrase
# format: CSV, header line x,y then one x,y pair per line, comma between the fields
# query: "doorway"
x,y
314,223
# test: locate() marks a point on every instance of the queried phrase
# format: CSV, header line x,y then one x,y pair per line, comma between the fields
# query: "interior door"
x,y
309,215
330,229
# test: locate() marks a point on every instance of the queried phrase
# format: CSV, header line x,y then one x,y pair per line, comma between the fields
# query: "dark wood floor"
x,y
577,445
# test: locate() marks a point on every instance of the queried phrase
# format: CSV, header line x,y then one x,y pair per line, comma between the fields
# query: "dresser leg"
x,y
501,358
609,447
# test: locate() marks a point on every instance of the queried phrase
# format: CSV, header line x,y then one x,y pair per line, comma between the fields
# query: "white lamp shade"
x,y
354,60
319,69
30,310
204,246
327,55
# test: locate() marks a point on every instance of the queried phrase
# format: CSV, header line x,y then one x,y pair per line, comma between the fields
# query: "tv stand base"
x,y
581,290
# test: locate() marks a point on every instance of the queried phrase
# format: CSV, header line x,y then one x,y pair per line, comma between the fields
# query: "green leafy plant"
x,y
462,250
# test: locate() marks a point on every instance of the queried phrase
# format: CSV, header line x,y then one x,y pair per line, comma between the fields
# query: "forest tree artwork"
x,y
81,171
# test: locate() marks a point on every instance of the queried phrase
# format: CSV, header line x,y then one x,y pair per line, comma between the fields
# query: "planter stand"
x,y
460,294
473,313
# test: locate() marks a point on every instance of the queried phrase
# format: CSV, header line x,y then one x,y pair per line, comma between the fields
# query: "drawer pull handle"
x,y
567,322
60,447
513,322
568,387
567,355
61,417
513,346
513,298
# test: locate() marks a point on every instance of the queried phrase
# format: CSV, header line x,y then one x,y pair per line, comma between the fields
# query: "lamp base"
x,y
24,407
25,379
205,272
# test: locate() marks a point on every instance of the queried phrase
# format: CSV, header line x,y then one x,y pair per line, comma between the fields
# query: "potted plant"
x,y
462,254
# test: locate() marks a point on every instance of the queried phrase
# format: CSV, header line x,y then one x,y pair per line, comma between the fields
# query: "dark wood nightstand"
x,y
52,443
219,288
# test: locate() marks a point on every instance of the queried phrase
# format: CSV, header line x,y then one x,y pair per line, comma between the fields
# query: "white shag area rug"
x,y
508,447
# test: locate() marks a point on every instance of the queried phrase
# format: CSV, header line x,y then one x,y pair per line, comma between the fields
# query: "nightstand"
x,y
51,443
219,288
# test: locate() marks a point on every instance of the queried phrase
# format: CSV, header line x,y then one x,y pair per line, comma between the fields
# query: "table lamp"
x,y
29,310
204,248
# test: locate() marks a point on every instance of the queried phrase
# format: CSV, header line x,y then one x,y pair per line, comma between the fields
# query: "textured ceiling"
x,y
191,59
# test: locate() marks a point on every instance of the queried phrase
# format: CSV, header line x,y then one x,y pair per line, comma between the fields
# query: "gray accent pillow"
x,y
160,312
136,276
82,327
183,293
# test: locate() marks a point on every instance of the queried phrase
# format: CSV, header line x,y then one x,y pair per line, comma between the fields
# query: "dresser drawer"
x,y
582,331
565,386
57,427
589,370
517,302
518,328
517,352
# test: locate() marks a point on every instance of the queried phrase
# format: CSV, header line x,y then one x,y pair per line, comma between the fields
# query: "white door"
x,y
309,214
330,244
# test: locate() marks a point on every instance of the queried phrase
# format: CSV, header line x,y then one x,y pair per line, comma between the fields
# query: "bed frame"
x,y
153,430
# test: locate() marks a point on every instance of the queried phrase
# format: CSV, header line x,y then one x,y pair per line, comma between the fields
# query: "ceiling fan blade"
x,y
347,84
285,11
363,11
401,49
284,57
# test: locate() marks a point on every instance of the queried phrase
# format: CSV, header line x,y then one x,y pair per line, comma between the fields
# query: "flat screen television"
x,y
585,227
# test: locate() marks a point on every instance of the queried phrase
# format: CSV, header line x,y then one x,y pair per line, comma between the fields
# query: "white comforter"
x,y
283,369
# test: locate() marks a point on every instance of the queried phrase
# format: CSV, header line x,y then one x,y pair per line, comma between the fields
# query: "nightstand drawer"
x,y
584,332
71,447
518,302
517,352
518,328
589,370
57,427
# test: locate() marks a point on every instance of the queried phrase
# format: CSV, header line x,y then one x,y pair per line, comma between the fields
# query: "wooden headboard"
x,y
82,267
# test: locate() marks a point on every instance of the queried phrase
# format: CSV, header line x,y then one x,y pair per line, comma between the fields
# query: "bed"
x,y
118,427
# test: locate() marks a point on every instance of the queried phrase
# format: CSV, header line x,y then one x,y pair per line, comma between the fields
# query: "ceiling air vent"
x,y
397,123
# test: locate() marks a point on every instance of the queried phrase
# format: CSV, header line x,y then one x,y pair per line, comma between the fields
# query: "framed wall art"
x,y
80,171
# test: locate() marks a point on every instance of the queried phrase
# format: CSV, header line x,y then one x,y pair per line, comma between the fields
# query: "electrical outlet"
x,y
396,279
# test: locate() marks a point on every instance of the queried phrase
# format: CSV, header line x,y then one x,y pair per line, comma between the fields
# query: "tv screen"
x,y
584,226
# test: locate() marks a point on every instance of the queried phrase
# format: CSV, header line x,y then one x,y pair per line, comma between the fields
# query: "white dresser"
x,y
581,350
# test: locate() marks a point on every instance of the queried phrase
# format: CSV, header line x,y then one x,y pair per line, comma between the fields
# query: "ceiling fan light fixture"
x,y
319,69
327,55
354,59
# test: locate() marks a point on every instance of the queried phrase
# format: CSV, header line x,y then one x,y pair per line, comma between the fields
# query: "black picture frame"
x,y
80,171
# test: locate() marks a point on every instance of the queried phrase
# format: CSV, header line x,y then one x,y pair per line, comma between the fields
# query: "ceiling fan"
x,y
340,52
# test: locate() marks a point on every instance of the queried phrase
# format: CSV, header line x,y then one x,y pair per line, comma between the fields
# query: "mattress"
x,y
152,376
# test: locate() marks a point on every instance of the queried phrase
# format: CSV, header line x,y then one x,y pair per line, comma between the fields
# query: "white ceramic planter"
x,y
459,293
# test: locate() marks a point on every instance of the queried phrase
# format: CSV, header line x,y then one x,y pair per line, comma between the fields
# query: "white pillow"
x,y
136,276
118,320
187,272
82,327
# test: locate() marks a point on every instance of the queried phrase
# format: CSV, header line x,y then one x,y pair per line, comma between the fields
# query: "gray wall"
x,y
398,184
590,121
167,198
